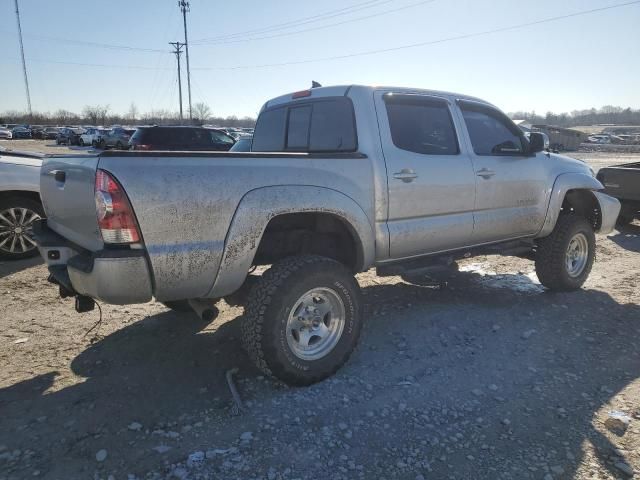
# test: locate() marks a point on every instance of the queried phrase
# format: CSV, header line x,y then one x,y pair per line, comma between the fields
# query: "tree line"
x,y
102,115
608,114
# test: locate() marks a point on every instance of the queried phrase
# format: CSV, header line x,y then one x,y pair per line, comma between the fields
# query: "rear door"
x,y
511,184
430,180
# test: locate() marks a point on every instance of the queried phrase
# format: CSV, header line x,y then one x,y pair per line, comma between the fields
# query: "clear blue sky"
x,y
575,63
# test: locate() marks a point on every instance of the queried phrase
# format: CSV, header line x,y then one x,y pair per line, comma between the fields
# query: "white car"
x,y
5,133
91,136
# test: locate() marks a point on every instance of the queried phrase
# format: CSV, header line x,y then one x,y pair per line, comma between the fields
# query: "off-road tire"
x,y
551,267
268,307
626,216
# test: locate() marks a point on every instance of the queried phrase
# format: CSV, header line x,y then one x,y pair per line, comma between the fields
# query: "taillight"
x,y
142,147
115,215
301,94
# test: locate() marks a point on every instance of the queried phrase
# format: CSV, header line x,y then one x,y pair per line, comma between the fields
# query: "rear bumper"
x,y
119,277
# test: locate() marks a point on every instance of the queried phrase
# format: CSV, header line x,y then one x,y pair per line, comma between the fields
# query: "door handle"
x,y
59,175
406,175
485,173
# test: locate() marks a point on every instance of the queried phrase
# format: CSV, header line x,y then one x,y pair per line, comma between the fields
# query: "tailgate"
x,y
67,191
622,181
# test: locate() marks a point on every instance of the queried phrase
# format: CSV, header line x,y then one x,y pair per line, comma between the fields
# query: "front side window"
x,y
491,133
421,125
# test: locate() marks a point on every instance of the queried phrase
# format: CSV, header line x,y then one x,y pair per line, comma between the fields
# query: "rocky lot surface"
x,y
490,377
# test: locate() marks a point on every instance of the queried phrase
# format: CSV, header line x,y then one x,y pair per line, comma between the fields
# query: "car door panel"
x,y
430,181
511,184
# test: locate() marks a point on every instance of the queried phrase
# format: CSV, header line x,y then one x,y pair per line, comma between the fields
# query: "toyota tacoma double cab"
x,y
339,180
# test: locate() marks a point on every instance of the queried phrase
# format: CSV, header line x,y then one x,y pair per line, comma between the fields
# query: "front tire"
x,y
564,259
302,320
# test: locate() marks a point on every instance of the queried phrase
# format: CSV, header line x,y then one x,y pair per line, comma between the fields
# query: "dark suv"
x,y
180,138
67,136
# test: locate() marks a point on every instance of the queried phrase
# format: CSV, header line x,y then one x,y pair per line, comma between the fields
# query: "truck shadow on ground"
x,y
170,365
628,237
9,267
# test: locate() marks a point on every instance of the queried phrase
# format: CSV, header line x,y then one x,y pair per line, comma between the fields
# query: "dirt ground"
x,y
490,377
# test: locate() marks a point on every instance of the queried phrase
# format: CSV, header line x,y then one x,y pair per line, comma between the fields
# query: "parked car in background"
x,y
67,136
243,144
20,204
602,139
5,133
184,138
49,133
21,132
36,131
92,136
623,183
117,137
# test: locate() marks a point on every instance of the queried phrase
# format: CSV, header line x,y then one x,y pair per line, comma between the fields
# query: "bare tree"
x,y
201,111
132,116
95,113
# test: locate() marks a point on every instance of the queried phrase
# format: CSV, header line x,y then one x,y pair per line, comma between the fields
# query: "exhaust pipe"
x,y
205,309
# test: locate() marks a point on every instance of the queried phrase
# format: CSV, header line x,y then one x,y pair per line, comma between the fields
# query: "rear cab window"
x,y
321,125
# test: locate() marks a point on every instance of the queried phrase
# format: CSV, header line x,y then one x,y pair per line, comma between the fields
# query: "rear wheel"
x,y
81,142
17,216
564,259
94,144
302,320
627,215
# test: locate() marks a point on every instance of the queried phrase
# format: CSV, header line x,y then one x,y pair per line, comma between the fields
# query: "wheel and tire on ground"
x,y
302,319
81,142
17,215
564,259
94,144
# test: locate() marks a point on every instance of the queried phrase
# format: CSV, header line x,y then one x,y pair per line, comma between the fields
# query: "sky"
x,y
237,49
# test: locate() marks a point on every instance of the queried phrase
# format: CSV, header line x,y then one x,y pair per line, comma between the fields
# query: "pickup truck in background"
x,y
339,180
20,204
623,183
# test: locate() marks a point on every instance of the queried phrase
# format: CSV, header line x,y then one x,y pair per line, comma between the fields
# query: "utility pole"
x,y
184,6
178,51
24,65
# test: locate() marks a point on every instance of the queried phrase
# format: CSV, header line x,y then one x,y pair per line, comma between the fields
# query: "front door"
x,y
431,183
511,184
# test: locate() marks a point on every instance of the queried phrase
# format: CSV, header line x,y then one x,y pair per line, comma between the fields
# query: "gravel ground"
x,y
489,377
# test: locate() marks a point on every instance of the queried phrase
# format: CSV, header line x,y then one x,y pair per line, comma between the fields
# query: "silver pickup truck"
x,y
340,179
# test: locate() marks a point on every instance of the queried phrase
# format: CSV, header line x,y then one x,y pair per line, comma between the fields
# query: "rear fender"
x,y
259,206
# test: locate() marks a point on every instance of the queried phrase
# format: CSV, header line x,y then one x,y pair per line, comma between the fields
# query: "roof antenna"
x,y
315,84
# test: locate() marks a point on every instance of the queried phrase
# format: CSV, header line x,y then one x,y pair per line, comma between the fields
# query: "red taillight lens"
x,y
115,215
301,94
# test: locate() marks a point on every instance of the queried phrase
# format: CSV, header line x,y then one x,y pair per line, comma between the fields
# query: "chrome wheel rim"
x,y
577,255
16,230
315,324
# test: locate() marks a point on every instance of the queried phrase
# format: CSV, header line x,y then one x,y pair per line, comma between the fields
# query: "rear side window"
x,y
326,125
421,125
269,134
491,132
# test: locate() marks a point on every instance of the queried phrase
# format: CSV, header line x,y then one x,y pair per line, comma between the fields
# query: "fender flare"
x,y
259,206
564,183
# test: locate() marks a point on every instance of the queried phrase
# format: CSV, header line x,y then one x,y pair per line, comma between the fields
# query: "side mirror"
x,y
538,142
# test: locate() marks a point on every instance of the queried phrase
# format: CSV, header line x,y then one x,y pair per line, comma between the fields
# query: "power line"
x,y
368,52
300,21
90,44
428,42
320,27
